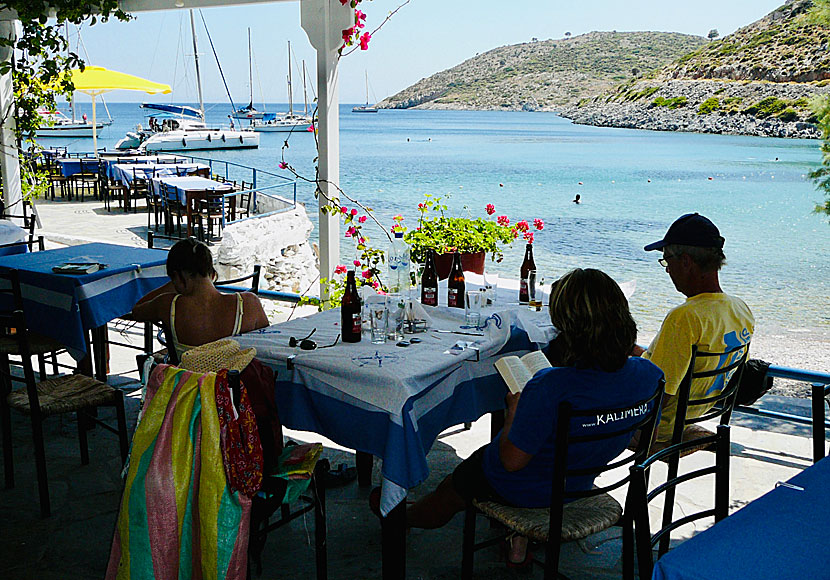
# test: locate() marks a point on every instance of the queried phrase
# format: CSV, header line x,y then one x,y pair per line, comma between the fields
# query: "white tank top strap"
x,y
237,323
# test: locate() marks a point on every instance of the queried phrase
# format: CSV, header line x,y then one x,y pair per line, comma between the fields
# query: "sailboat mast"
x,y
367,87
72,97
305,94
250,70
196,60
290,89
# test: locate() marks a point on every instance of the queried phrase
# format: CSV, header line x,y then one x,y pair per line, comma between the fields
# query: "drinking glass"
x,y
472,307
378,321
396,308
534,293
491,287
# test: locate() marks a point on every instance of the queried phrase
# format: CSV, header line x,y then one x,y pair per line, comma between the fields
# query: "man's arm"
x,y
512,458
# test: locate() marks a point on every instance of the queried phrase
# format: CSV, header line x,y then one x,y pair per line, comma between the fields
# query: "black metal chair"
x,y
640,497
253,277
53,396
591,511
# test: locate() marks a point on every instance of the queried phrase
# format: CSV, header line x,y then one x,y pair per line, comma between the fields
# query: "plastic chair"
x,y
640,497
592,511
40,399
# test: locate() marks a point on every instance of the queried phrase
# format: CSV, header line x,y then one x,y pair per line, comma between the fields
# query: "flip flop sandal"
x,y
340,476
515,558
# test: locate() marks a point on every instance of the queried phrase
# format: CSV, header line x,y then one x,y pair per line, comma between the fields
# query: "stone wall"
x,y
279,243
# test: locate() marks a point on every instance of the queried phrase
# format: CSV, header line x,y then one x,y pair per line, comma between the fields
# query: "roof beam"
x,y
154,5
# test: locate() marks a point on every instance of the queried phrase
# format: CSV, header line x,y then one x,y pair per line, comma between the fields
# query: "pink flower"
x,y
529,237
515,233
344,210
421,206
356,263
364,41
366,274
503,220
361,239
358,15
538,224
310,128
375,284
341,269
490,209
522,226
344,2
354,211
347,34
351,231
283,165
361,219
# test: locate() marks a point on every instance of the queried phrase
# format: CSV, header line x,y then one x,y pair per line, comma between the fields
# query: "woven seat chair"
x,y
210,208
591,511
109,188
86,180
53,396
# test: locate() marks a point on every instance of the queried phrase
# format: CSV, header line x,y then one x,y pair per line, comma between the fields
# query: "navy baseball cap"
x,y
691,229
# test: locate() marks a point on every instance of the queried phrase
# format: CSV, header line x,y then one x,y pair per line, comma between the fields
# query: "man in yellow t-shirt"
x,y
712,320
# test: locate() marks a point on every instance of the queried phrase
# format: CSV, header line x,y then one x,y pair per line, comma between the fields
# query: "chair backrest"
x,y
637,416
13,328
253,277
170,195
31,244
203,172
640,497
719,404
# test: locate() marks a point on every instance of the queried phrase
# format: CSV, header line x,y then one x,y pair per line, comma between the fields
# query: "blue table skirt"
x,y
70,167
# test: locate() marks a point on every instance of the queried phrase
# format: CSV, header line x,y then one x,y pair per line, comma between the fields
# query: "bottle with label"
x,y
429,282
527,265
351,320
397,261
455,284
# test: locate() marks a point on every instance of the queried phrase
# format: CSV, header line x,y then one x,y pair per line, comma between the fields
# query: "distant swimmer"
x,y
576,199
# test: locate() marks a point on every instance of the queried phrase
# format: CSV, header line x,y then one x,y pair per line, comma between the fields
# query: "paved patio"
x,y
74,543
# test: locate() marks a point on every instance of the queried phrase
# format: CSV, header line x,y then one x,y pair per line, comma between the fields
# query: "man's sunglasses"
x,y
307,344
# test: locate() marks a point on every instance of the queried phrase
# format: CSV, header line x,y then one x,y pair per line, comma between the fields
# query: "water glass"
x,y
378,321
472,307
491,287
534,293
396,308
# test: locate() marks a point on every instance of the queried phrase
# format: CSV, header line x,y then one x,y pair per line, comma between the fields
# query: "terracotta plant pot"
x,y
470,262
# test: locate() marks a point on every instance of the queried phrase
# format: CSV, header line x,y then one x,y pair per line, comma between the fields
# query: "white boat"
x,y
275,122
367,108
249,112
181,128
56,124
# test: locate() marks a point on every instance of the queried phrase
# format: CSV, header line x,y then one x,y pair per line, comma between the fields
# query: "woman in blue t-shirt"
x,y
597,334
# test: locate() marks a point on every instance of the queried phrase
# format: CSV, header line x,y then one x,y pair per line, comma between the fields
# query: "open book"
x,y
516,371
77,268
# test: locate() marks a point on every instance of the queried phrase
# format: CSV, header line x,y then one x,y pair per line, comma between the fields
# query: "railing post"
x,y
818,421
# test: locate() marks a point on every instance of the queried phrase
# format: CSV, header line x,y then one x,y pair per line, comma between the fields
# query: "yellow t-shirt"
x,y
715,322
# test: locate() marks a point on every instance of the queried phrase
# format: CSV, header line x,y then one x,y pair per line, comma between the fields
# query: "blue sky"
x,y
424,37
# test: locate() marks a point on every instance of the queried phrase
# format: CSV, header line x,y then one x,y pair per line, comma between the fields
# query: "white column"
x,y
323,22
9,160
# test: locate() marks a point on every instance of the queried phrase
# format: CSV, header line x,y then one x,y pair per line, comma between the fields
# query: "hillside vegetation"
x,y
545,75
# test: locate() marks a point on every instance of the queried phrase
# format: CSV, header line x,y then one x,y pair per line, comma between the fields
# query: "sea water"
x,y
632,185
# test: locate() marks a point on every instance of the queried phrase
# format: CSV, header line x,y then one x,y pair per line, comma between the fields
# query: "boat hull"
x,y
364,110
70,130
201,140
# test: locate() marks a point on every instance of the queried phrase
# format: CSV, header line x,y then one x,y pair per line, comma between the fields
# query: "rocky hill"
x,y
756,81
545,75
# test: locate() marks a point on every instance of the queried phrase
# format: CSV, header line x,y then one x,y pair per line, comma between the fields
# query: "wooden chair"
x,y
244,199
57,179
86,180
210,208
718,406
640,497
109,188
202,172
591,511
40,399
173,208
139,189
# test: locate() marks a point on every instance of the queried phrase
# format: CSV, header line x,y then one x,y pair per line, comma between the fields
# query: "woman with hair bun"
x,y
597,334
191,307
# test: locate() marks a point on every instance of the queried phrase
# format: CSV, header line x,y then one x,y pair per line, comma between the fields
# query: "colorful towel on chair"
x,y
296,465
178,518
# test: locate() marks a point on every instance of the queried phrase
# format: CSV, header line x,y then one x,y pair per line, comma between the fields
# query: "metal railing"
x,y
819,389
227,165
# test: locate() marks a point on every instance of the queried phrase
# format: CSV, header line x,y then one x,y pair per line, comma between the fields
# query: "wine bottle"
x,y
527,265
351,320
455,284
429,282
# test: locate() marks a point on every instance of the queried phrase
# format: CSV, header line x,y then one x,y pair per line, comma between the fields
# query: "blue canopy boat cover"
x,y
178,110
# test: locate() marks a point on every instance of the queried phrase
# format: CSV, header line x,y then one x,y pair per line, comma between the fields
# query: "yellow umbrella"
x,y
96,80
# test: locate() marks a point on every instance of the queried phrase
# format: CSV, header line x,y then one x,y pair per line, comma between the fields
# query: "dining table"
x,y
392,400
110,160
126,172
67,307
780,535
70,166
188,190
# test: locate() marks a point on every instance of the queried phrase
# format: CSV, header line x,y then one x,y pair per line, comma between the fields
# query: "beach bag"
x,y
754,382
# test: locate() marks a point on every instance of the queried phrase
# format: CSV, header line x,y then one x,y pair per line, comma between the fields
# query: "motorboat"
x,y
367,108
57,124
182,128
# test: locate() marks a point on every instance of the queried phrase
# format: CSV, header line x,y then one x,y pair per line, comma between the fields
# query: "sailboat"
x,y
179,128
367,108
249,112
272,122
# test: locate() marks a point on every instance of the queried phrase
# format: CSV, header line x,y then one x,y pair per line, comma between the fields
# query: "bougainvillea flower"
x,y
283,165
361,219
341,269
398,218
490,209
529,237
344,210
344,2
361,239
375,285
310,128
366,274
351,231
356,262
364,41
538,224
522,225
503,220
354,211
347,34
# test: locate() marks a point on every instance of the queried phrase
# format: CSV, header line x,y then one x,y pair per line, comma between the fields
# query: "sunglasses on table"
x,y
306,343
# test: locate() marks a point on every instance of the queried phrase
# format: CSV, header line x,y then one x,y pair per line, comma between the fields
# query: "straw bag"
x,y
217,355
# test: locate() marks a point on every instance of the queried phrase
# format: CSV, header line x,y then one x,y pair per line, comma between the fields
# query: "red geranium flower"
x,y
490,209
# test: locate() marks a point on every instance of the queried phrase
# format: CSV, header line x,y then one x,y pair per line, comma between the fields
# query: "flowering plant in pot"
x,y
474,237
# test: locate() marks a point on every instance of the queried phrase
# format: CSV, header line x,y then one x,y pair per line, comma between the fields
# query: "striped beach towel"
x,y
178,517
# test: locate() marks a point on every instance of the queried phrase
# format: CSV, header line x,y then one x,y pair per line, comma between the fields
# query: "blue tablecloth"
x,y
66,306
71,166
390,401
110,162
185,185
781,535
126,172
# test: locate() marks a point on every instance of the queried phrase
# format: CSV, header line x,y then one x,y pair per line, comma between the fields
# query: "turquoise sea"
x,y
633,185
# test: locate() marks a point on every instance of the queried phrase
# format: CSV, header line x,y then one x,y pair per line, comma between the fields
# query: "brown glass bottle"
x,y
350,311
455,284
527,265
429,282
